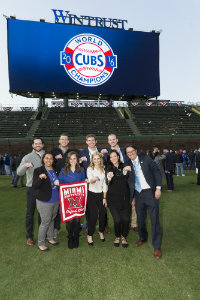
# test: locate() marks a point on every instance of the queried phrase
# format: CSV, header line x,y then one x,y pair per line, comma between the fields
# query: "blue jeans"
x,y
14,174
21,180
179,165
7,170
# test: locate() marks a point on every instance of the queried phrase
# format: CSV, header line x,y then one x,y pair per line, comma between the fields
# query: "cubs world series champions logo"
x,y
88,59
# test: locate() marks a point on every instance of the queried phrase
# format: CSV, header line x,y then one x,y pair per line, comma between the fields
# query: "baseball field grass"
x,y
103,271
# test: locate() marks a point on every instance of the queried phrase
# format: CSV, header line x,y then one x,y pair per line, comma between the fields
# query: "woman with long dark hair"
x,y
45,183
72,172
118,197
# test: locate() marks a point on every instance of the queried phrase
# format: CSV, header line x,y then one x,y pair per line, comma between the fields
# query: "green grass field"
x,y
103,271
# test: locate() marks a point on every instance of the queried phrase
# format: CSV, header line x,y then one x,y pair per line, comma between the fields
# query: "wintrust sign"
x,y
63,16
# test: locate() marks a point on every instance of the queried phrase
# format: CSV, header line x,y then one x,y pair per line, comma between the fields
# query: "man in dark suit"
x,y
145,182
169,168
113,143
191,156
86,154
198,165
60,153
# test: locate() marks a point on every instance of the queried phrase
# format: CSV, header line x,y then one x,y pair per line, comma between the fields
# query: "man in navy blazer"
x,y
60,153
113,142
86,154
169,168
145,181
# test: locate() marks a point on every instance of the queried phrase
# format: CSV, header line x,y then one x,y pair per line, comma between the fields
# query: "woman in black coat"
x,y
45,183
118,197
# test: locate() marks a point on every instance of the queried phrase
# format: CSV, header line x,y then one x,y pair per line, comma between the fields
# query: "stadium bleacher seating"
x,y
15,123
78,122
81,121
170,120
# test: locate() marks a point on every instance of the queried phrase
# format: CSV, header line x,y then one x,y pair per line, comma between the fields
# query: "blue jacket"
x,y
71,177
7,160
126,159
85,152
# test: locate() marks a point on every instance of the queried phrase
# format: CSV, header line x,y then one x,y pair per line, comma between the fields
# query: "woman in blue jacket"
x,y
72,172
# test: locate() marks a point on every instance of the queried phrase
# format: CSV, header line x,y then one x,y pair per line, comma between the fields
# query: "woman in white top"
x,y
96,196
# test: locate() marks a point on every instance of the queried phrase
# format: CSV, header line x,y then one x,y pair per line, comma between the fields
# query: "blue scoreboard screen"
x,y
46,57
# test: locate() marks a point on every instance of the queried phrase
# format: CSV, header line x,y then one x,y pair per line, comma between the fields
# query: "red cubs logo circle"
x,y
88,60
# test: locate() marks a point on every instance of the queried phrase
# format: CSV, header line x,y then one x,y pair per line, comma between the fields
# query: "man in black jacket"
x,y
178,159
2,170
60,153
145,181
198,165
169,168
191,156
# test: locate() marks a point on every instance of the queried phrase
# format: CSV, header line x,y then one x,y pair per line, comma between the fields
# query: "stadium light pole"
x,y
41,101
66,102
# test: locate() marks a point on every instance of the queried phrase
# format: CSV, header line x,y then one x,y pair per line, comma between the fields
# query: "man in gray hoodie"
x,y
27,166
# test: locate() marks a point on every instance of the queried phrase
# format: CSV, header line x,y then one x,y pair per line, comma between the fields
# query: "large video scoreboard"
x,y
69,59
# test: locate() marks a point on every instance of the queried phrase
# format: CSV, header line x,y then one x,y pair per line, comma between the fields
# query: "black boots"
x,y
70,243
76,241
73,242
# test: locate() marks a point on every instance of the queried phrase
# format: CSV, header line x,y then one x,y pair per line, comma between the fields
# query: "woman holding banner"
x,y
71,173
45,183
96,196
118,197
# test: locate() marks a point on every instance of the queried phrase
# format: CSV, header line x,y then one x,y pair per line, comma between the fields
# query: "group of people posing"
x,y
119,178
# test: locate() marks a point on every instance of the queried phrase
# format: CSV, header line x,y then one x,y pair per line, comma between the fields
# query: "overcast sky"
x,y
179,41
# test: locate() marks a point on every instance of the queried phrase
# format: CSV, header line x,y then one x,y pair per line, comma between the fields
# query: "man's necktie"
x,y
137,179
